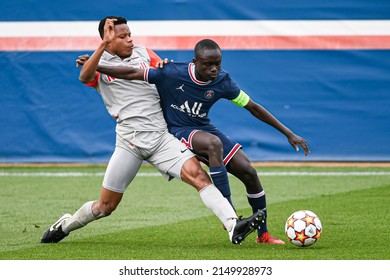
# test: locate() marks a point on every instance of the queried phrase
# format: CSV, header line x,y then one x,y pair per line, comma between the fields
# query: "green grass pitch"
x,y
160,220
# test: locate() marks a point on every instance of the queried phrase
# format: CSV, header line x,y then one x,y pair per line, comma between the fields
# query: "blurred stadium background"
x,y
321,67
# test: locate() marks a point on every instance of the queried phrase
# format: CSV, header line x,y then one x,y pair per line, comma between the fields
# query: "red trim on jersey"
x,y
95,81
146,73
349,42
191,72
143,65
110,79
154,58
231,154
188,142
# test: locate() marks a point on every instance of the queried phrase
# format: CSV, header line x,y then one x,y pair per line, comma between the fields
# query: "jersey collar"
x,y
108,56
191,72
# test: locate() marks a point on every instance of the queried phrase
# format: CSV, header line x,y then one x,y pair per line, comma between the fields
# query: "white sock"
x,y
81,218
214,200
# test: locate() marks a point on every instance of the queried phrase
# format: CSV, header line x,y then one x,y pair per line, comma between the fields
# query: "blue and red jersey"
x,y
186,101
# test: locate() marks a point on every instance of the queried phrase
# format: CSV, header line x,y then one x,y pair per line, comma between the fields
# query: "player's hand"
x,y
161,63
109,31
81,60
296,141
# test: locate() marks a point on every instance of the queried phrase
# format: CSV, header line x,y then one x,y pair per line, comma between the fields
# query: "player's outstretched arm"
x,y
122,72
263,115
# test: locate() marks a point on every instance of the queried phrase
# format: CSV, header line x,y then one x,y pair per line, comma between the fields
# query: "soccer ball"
x,y
303,228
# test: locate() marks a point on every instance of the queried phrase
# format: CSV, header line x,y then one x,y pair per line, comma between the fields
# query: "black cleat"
x,y
55,234
244,227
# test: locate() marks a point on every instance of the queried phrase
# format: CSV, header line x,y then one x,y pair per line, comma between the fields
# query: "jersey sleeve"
x,y
233,91
155,75
237,96
154,58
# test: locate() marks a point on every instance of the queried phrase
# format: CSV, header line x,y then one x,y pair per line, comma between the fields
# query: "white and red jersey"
x,y
134,103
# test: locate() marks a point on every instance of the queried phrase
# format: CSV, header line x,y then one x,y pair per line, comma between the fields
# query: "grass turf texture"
x,y
157,220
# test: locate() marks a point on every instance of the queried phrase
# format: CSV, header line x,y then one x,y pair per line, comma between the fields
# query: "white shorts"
x,y
159,148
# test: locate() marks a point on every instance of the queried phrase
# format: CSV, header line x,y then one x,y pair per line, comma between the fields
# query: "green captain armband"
x,y
241,100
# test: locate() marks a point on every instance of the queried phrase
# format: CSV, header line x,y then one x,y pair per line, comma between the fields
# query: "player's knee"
x,y
215,146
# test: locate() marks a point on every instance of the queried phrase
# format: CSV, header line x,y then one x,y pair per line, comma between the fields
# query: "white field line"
x,y
155,174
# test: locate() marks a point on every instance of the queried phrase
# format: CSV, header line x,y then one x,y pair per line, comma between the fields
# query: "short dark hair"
x,y
119,20
205,44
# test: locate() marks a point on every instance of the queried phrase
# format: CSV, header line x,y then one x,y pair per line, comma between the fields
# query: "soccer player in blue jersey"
x,y
187,92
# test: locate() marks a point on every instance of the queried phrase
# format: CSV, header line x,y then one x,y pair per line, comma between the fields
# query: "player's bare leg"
x,y
210,146
88,212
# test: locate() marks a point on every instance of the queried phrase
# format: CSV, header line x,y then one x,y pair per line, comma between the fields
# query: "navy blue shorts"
x,y
185,135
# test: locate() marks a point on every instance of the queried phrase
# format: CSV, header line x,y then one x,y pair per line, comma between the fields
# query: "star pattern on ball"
x,y
301,236
309,220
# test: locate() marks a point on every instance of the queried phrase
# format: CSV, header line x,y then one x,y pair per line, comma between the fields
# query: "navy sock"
x,y
258,201
220,180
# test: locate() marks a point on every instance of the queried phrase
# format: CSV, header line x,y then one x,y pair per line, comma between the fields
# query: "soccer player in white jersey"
x,y
188,91
141,134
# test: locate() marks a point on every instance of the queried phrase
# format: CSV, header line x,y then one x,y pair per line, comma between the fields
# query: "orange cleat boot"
x,y
266,238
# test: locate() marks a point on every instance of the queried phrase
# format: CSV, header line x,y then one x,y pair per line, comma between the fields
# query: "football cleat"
x,y
246,226
55,234
266,238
